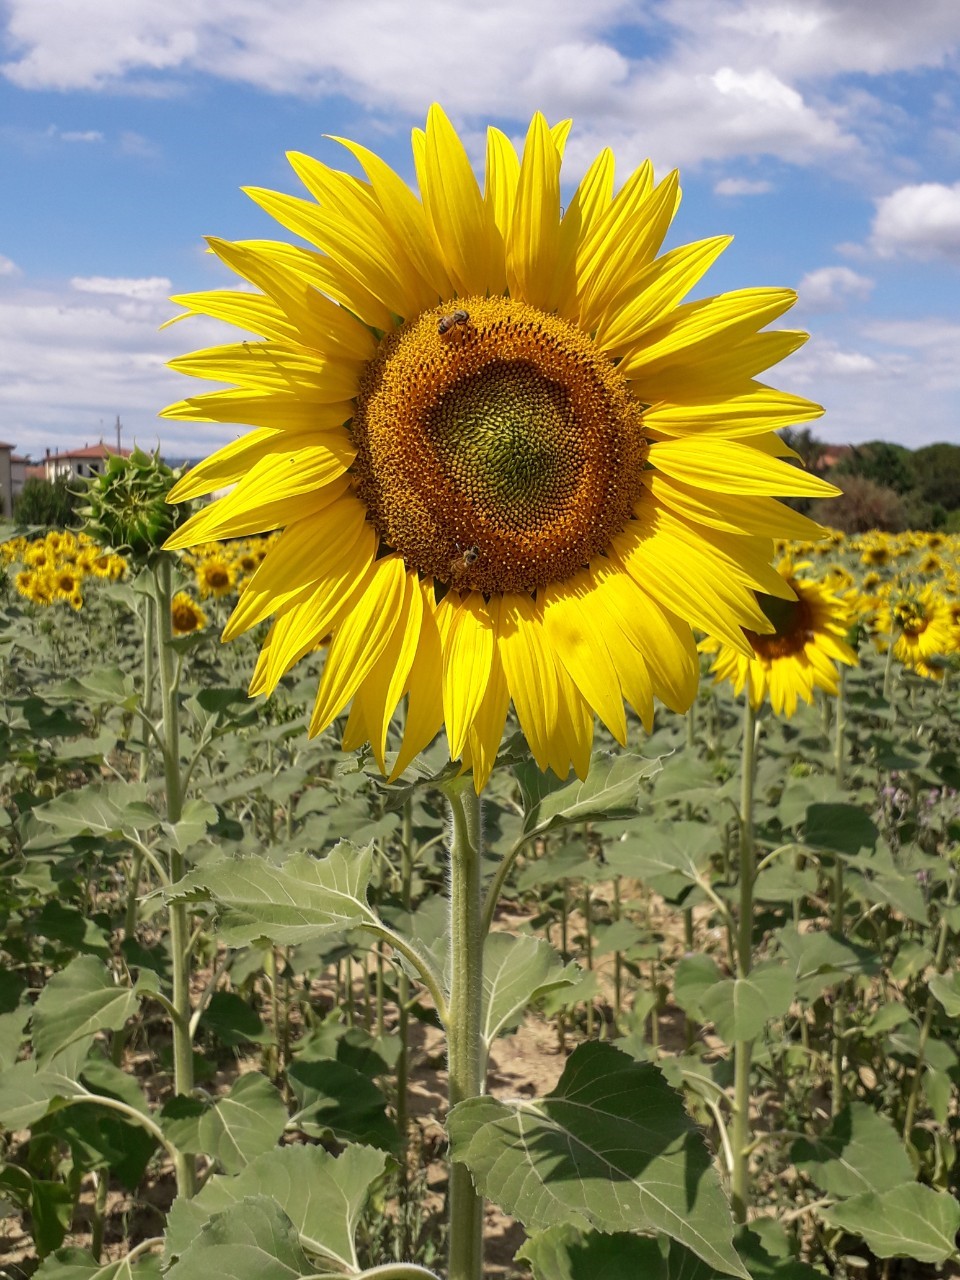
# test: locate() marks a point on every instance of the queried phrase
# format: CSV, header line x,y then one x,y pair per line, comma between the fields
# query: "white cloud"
x,y
921,221
8,267
152,287
742,187
831,288
70,362
80,135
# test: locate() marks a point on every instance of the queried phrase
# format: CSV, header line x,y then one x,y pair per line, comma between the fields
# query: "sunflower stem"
x,y
464,1043
186,1172
743,1049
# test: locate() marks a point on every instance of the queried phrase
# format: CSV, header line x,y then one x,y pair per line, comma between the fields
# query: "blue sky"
x,y
822,133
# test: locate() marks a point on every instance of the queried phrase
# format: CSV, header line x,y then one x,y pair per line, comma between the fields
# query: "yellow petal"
x,y
577,644
486,731
250,311
454,206
589,200
259,409
424,688
307,551
532,241
529,668
467,659
404,213
700,330
364,632
726,466
274,366
764,517
278,489
756,410
658,290
727,372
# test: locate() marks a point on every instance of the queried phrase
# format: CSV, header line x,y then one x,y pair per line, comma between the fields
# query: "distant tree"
x,y
49,505
937,468
886,464
803,442
863,505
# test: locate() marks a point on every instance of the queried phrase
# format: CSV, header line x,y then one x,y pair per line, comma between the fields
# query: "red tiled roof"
x,y
4,445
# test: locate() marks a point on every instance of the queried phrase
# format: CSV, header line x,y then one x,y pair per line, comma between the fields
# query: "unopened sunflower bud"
x,y
126,507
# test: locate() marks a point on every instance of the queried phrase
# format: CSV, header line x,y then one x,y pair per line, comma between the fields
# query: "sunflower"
x,y
216,576
510,464
918,621
801,654
186,615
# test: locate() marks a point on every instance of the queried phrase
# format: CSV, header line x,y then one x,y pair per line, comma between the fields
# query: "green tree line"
x,y
885,486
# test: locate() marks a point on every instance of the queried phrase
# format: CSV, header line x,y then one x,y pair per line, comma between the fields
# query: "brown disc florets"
x,y
498,449
794,623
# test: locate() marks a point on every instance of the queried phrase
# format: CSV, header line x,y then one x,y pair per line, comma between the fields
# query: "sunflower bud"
x,y
127,508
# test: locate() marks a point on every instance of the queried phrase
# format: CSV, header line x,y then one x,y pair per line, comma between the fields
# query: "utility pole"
x,y
118,433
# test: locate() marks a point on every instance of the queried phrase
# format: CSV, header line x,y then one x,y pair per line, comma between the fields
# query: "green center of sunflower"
x,y
793,623
497,448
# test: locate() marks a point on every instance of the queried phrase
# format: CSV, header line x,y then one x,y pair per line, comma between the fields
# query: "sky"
x,y
822,134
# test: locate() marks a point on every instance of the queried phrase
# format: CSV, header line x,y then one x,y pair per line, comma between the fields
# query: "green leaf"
x,y
693,978
839,828
741,1007
610,790
26,1093
946,988
323,1195
819,960
304,898
612,1148
196,817
244,1124
50,1205
335,1098
232,1021
563,1253
76,1003
252,1240
78,1264
860,1151
910,1221
105,810
516,969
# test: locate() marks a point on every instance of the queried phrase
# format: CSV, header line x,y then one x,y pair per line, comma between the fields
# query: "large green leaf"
x,y
304,898
78,1264
741,1007
76,1003
563,1253
106,810
910,1221
323,1195
335,1098
251,1240
611,1148
946,988
839,828
860,1151
26,1093
516,969
610,790
245,1123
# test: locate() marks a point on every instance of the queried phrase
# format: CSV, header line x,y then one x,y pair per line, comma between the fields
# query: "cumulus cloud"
x,y
742,187
79,135
921,221
8,267
831,288
151,287
70,362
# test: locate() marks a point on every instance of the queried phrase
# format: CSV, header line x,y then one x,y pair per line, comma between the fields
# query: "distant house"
x,y
831,454
88,461
6,479
19,471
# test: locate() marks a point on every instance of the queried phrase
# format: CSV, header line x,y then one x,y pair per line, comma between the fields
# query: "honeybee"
x,y
471,555
455,317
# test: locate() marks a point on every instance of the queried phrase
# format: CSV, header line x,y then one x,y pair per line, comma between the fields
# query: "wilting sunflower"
x,y
186,615
801,653
509,463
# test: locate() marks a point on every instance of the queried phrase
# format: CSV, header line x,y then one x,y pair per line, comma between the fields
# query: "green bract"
x,y
127,508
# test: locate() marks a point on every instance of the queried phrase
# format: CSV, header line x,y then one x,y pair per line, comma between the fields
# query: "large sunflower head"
x,y
799,655
509,462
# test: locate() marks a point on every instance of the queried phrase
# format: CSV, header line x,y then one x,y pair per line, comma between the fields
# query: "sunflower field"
x,y
617,944
581,899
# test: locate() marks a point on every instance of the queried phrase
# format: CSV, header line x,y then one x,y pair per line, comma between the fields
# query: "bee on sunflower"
x,y
533,504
